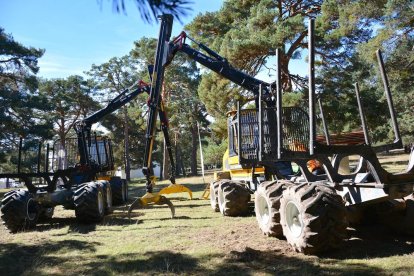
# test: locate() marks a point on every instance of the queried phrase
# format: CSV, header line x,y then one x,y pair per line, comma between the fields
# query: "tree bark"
x,y
166,163
194,146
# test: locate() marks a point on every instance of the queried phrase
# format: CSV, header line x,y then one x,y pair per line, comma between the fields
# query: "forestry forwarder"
x,y
310,211
82,177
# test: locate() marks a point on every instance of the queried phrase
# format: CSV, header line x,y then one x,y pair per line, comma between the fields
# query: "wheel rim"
x,y
263,210
49,211
100,203
31,209
213,199
221,199
293,219
109,197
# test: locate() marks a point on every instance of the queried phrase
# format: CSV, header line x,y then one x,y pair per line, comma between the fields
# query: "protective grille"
x,y
249,136
65,155
295,129
295,132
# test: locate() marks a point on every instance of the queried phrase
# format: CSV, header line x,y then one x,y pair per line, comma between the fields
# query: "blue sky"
x,y
78,33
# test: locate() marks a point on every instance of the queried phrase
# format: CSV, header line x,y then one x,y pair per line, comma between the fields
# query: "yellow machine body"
x,y
232,169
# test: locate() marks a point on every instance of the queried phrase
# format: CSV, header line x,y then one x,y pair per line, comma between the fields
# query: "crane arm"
x,y
83,128
220,65
119,101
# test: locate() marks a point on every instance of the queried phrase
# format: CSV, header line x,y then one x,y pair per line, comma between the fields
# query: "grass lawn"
x,y
197,242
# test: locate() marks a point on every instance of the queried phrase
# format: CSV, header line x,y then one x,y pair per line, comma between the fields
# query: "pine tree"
x,y
112,78
22,109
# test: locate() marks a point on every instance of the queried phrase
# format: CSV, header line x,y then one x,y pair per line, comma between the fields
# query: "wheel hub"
x,y
109,197
31,209
294,219
100,203
263,210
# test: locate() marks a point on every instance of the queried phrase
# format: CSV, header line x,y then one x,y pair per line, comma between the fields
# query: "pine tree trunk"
x,y
194,146
177,157
126,139
178,161
182,163
166,163
62,161
161,171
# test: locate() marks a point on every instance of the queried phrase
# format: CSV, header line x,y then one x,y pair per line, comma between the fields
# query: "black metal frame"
x,y
395,185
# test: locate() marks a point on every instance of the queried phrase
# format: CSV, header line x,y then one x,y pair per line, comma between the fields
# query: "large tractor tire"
x,y
267,204
119,190
125,191
313,217
214,187
89,202
19,210
106,187
45,214
233,199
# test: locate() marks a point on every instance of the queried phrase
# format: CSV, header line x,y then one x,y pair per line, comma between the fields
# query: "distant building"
x,y
137,173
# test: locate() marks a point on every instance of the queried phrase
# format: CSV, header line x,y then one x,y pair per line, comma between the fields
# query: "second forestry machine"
x,y
77,173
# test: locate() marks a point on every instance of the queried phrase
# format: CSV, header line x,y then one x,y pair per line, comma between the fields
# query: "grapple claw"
x,y
149,198
135,205
176,188
164,200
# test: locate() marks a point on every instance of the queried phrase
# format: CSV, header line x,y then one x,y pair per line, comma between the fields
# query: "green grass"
x,y
197,242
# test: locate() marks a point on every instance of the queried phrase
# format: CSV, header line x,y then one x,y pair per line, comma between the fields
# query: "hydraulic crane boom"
x,y
221,66
165,53
156,106
83,128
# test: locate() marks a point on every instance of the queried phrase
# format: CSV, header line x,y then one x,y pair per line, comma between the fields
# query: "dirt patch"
x,y
241,238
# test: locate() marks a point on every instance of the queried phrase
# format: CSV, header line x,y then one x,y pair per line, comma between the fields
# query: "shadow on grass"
x,y
373,241
118,217
18,259
246,262
276,262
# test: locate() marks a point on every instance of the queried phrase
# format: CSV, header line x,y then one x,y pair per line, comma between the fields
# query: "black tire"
x,y
89,202
46,213
19,211
119,190
125,190
214,187
106,187
233,199
313,218
267,204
